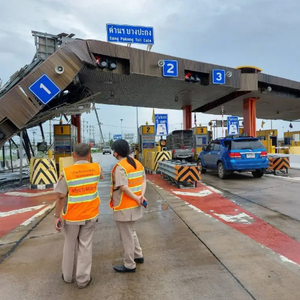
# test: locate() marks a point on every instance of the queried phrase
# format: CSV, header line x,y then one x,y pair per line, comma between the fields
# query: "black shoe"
x,y
62,276
82,287
123,269
139,260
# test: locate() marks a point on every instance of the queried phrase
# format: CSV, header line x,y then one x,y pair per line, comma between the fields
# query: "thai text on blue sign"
x,y
117,136
161,124
129,34
232,125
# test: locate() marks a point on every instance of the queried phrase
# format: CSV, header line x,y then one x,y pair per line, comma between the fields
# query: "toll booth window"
x,y
246,144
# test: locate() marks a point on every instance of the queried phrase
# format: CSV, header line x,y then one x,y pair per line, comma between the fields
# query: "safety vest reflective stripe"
x,y
136,188
135,174
85,198
81,181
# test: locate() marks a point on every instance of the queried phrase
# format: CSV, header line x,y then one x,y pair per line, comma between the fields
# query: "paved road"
x,y
189,254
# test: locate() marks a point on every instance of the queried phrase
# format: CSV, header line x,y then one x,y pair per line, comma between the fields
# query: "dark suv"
x,y
241,154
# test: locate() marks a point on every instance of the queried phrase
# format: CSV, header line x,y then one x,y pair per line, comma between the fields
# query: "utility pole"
x,y
121,128
109,137
99,124
50,133
85,130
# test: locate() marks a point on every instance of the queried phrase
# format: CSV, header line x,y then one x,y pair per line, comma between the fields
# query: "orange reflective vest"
x,y
83,198
135,181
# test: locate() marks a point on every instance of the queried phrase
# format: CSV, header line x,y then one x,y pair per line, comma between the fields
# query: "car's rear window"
x,y
246,144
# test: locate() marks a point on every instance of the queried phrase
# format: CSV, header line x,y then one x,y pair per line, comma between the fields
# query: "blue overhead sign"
x,y
117,137
232,125
170,68
129,34
161,124
44,89
218,76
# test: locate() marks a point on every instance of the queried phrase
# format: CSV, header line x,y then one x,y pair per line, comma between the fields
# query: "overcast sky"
x,y
264,33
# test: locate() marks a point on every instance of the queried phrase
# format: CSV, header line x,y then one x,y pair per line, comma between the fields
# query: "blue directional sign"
x,y
161,124
232,125
170,68
129,34
44,89
218,76
117,137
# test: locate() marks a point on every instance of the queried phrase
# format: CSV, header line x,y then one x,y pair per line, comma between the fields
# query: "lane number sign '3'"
x,y
170,68
218,76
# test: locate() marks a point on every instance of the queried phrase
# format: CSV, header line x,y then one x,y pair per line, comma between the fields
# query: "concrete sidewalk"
x,y
188,255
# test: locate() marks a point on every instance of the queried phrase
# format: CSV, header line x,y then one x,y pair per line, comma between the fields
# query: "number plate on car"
x,y
250,155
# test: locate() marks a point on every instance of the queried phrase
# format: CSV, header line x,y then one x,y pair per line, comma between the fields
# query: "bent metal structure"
x,y
137,81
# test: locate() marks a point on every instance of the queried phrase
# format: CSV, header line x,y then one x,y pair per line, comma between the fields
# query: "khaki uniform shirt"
x,y
132,214
62,188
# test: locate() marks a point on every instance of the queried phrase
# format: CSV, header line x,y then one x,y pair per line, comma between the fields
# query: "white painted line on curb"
x,y
20,211
29,195
43,211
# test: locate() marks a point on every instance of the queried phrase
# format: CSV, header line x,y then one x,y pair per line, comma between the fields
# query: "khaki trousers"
x,y
78,252
130,241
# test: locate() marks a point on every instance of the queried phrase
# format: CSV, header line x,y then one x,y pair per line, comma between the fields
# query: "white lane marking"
x,y
241,218
284,178
203,193
43,211
212,188
20,211
24,194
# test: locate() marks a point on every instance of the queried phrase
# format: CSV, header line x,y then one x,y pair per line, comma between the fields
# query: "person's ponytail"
x,y
131,161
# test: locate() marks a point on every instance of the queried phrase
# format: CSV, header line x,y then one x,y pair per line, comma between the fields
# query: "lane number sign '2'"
x,y
44,89
170,68
218,76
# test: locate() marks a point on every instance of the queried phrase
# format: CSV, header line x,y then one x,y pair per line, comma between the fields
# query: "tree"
x,y
111,142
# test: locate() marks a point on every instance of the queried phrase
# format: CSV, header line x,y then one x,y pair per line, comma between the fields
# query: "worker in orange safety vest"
x,y
78,214
128,186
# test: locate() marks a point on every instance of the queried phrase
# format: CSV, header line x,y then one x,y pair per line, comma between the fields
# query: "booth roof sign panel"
x,y
170,68
130,34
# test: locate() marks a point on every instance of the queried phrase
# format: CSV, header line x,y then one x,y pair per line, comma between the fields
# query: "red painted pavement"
x,y
9,203
258,230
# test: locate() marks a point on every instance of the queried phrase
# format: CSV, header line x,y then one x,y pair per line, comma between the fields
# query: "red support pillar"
x,y
249,107
187,117
76,121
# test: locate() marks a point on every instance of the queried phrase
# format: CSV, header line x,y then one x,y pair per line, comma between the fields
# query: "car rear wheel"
x,y
199,163
221,171
258,173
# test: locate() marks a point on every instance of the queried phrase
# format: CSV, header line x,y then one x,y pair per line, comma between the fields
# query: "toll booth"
x,y
65,139
269,138
146,140
202,137
292,138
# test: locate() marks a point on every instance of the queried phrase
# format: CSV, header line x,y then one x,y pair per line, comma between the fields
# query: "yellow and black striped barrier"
x,y
179,173
43,174
161,156
279,164
187,173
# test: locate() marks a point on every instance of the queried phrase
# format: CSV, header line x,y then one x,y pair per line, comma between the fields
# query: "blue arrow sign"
x,y
44,89
170,68
218,76
117,136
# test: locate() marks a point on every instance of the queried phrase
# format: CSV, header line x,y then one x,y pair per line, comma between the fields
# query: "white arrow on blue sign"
x,y
218,76
170,68
44,89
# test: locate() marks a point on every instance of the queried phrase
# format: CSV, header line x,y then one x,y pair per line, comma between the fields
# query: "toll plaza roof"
x,y
137,81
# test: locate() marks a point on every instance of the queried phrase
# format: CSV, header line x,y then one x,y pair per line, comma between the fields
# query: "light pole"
x,y
121,129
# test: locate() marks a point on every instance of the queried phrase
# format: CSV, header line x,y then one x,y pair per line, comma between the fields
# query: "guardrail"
x,y
179,172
